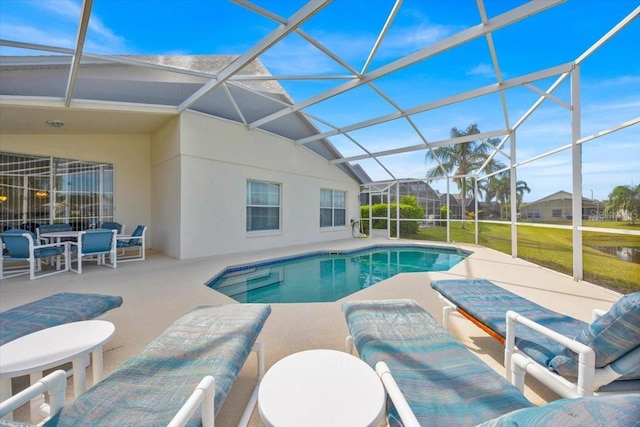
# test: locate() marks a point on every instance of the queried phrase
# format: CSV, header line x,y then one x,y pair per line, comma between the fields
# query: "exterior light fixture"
x,y
41,194
55,123
3,198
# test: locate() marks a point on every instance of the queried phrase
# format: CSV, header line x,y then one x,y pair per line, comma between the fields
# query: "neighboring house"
x,y
201,180
557,206
489,210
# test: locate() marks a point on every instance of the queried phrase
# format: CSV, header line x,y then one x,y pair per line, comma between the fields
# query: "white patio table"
x,y
58,235
52,347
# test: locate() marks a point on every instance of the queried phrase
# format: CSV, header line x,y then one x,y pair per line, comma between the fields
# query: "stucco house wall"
x,y
217,158
187,182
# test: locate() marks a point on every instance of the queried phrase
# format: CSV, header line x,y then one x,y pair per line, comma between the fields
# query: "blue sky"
x,y
610,78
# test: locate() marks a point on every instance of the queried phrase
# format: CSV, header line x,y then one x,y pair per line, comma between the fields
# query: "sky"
x,y
609,78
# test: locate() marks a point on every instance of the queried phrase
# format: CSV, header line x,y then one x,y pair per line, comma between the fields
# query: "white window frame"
x,y
333,208
250,205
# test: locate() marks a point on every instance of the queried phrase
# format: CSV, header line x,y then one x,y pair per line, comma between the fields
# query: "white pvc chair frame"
x,y
142,248
395,394
35,264
517,364
201,398
101,257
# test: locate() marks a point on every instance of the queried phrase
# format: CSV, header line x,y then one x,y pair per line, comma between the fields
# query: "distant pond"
x,y
624,253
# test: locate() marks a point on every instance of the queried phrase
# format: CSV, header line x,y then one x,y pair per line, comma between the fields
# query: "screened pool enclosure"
x,y
546,90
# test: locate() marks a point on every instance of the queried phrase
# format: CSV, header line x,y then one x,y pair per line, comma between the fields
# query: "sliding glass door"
x,y
38,190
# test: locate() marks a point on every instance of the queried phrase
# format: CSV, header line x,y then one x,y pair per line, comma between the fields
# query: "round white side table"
x,y
55,346
321,388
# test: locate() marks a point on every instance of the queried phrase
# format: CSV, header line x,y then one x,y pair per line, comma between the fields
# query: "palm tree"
x,y
462,159
500,188
624,198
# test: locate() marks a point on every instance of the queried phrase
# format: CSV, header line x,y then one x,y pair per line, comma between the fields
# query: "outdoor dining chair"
x,y
23,246
112,225
94,244
134,241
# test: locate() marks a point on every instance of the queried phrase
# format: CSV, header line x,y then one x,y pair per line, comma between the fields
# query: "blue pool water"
x,y
328,276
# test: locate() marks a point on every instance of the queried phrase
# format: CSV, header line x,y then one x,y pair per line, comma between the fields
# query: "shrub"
x,y
408,209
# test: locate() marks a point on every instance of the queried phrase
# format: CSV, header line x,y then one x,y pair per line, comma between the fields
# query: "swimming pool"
x,y
329,276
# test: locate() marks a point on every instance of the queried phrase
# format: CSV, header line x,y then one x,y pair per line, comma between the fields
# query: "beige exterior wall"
x,y
217,159
165,188
545,209
187,182
129,154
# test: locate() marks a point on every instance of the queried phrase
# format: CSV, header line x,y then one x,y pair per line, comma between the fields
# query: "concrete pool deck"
x,y
160,289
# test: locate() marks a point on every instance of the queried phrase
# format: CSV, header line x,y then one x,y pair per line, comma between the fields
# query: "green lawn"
x,y
552,248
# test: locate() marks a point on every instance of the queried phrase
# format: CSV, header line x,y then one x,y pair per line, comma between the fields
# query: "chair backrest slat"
x,y
52,228
112,225
94,241
139,231
17,242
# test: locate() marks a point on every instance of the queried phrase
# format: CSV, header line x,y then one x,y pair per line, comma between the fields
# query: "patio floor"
x,y
161,289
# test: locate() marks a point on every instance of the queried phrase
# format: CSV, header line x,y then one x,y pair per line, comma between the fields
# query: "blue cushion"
x,y
628,365
611,336
57,309
17,247
96,241
47,252
149,389
488,304
110,225
136,239
444,383
52,228
604,411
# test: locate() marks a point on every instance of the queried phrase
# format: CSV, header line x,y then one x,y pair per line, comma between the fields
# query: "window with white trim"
x,y
263,206
333,210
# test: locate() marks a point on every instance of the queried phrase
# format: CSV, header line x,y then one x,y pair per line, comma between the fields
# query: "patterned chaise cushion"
x,y
443,382
488,303
149,389
54,310
611,336
603,411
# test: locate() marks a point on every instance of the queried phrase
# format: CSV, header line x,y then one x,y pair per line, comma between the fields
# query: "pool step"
x,y
243,276
267,277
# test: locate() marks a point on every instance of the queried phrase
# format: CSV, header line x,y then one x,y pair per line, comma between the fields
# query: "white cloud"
x,y
483,70
36,35
56,24
67,9
295,56
616,81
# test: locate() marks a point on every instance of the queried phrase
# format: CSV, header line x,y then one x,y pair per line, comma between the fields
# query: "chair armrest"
x,y
202,397
55,384
402,406
586,355
51,245
597,313
127,237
